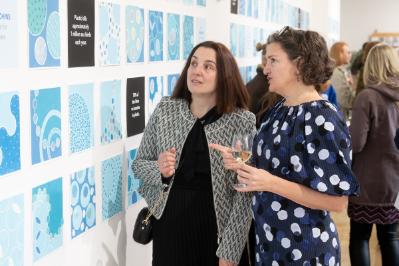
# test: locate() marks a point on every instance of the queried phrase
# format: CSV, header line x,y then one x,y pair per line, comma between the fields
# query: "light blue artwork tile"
x,y
173,36
155,22
111,127
109,33
200,29
47,218
81,118
111,176
172,79
241,6
188,2
10,141
188,35
243,73
155,92
201,2
133,183
12,231
249,8
83,202
44,33
241,38
45,106
256,9
134,34
234,39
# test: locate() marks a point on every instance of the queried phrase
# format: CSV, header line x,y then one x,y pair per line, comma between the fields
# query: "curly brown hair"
x,y
309,50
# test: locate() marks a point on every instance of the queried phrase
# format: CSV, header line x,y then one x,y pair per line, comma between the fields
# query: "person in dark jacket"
x,y
375,159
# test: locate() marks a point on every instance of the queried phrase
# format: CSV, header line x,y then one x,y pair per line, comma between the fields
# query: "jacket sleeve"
x,y
235,234
345,94
360,123
145,165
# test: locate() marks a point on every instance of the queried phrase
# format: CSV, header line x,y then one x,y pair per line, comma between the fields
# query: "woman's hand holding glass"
x,y
167,162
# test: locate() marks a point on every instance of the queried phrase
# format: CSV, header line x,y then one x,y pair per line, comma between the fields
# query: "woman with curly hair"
x,y
301,167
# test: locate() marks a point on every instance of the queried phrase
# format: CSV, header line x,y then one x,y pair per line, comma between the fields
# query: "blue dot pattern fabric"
x,y
308,144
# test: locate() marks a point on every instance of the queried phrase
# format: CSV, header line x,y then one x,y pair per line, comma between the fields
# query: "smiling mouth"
x,y
194,81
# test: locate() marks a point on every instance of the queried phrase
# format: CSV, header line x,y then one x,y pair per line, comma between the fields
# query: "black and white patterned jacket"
x,y
168,127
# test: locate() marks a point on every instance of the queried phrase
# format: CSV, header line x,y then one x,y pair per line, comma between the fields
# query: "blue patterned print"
x,y
109,33
155,23
111,127
173,37
83,204
12,231
188,35
47,219
307,144
45,124
133,182
111,176
10,143
134,34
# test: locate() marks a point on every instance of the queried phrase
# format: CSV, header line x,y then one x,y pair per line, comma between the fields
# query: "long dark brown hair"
x,y
230,89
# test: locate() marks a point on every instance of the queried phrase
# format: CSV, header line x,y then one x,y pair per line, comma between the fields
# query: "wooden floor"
x,y
342,222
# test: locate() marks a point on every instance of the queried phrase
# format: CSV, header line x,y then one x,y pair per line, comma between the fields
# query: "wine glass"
x,y
242,150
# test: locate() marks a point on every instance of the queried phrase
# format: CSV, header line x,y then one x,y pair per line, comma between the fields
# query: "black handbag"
x,y
142,232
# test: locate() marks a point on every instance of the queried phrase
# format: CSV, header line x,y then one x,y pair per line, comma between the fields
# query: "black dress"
x,y
186,233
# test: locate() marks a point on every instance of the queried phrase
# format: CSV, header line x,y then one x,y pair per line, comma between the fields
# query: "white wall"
x,y
360,18
109,242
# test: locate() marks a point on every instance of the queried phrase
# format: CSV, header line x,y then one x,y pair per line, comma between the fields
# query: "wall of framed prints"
x,y
78,81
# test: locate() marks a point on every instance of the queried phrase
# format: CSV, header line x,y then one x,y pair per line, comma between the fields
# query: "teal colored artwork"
x,y
45,108
134,34
201,2
188,2
172,80
81,124
200,29
47,218
173,36
241,7
111,176
243,73
44,33
241,38
12,231
249,8
155,92
155,22
256,9
188,35
234,39
111,127
109,16
133,183
10,139
83,203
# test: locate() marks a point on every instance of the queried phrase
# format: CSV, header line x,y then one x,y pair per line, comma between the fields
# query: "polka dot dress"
x,y
308,144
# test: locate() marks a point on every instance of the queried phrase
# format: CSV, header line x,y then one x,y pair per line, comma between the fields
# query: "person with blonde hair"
x,y
341,78
376,161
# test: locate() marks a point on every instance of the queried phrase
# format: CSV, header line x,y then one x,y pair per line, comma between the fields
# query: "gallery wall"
x,y
78,81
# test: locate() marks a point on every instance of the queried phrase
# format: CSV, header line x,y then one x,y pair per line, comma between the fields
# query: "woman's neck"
x,y
300,95
201,105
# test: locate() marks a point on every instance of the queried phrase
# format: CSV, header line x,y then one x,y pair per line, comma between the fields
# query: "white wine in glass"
x,y
242,150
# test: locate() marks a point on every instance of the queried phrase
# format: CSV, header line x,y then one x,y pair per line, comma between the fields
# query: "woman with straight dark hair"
x,y
301,167
202,220
375,159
